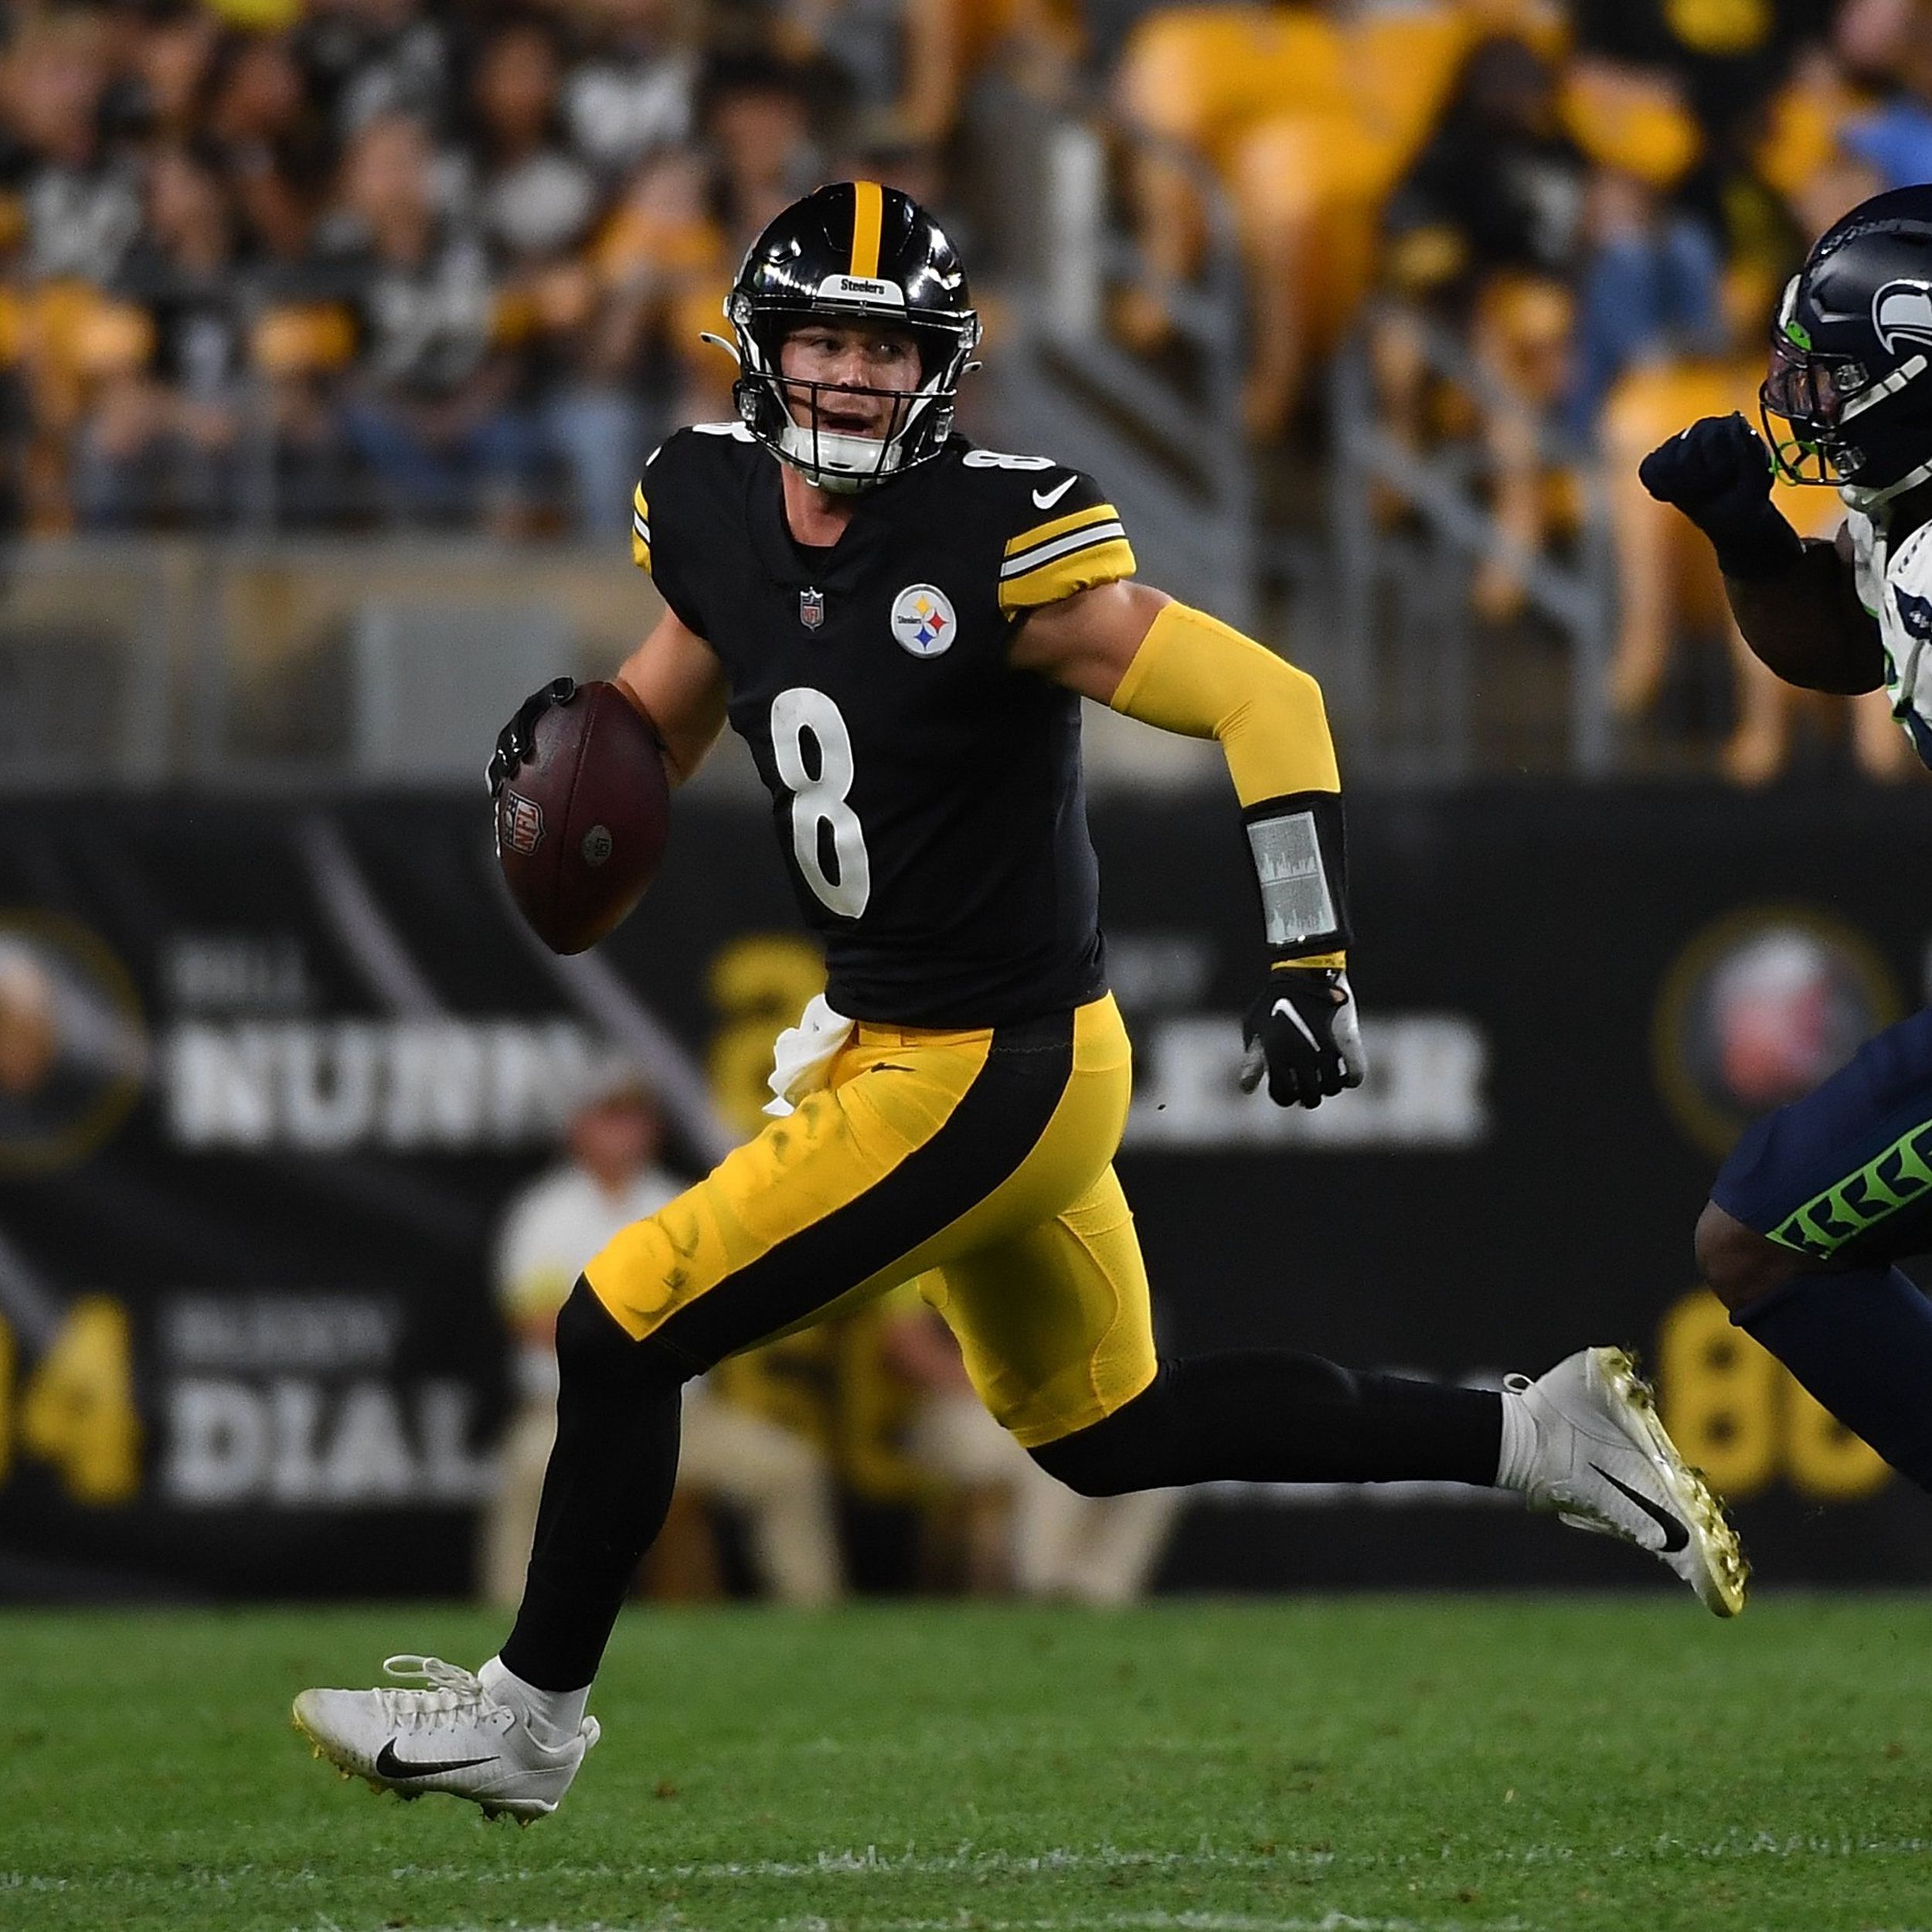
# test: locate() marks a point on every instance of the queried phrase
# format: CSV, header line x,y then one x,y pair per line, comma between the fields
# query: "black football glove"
x,y
1718,472
518,738
1304,1034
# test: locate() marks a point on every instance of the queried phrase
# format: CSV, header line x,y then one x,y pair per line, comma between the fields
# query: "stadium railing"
x,y
336,664
1166,434
1405,531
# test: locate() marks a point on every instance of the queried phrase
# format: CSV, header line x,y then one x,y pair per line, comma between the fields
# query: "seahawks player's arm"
x,y
1807,624
675,679
1796,601
1137,651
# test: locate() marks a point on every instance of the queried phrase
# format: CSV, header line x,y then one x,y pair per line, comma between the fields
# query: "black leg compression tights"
x,y
1273,1416
605,1493
1264,1415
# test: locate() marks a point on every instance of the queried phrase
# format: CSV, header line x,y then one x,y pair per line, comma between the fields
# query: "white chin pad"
x,y
837,462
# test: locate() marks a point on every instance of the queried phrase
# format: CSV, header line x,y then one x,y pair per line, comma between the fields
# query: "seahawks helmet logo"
x,y
1902,314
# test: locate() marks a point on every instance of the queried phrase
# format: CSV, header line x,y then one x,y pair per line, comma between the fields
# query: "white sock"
x,y
1516,1458
554,1717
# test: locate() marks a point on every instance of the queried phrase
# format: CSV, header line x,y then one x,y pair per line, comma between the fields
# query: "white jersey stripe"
x,y
1060,546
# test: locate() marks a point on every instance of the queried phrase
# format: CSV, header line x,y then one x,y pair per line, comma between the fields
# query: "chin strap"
x,y
1869,500
808,451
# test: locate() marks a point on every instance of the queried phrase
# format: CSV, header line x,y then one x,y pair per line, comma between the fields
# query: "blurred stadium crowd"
x,y
356,264
1559,231
378,260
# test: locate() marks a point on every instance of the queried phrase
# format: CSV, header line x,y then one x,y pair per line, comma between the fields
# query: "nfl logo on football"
x,y
811,609
522,823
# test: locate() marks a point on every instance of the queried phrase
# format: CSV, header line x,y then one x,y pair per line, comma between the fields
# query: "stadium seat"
x,y
1545,24
1668,585
1401,66
986,26
1800,131
114,339
1630,126
1310,126
302,339
1308,186
1201,75
1308,190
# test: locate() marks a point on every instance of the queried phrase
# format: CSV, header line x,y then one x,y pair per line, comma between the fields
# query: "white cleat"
x,y
452,1736
1603,1463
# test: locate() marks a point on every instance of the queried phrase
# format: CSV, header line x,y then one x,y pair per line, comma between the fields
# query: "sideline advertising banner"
x,y
269,1070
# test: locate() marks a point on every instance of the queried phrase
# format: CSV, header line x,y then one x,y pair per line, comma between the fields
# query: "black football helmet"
x,y
1851,372
852,251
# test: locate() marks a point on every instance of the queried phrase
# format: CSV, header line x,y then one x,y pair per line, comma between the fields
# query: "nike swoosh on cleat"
x,y
1045,499
1675,1534
389,1765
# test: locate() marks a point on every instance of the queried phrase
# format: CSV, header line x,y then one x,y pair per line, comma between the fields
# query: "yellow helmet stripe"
x,y
868,206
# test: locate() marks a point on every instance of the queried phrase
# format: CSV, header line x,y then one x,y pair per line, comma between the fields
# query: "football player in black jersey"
x,y
902,627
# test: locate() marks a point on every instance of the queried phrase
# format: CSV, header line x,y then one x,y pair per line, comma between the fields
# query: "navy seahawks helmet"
x,y
1851,371
852,251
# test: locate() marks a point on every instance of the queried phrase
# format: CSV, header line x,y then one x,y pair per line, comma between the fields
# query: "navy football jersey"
x,y
927,797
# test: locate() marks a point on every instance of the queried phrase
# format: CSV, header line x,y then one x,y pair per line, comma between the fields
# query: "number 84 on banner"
x,y
75,1409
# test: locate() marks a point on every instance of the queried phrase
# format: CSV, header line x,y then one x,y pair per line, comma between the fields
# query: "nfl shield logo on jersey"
x,y
811,608
923,620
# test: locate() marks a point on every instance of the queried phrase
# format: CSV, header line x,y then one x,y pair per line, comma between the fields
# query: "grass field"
x,y
1369,1763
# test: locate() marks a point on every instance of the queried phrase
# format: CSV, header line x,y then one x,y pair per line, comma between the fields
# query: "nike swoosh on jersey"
x,y
1045,499
1675,1534
389,1765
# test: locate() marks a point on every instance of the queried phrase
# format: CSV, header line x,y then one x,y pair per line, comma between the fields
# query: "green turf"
x,y
1345,1764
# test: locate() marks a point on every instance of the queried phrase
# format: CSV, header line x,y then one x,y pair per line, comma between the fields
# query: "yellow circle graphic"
x,y
74,1047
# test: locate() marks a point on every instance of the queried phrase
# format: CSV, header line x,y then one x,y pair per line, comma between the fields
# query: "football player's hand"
x,y
1718,468
1718,472
1304,1034
514,741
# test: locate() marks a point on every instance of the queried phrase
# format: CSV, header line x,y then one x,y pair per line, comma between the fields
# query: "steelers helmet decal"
x,y
852,252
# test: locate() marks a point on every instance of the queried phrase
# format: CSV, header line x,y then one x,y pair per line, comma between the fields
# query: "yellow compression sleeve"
x,y
1198,676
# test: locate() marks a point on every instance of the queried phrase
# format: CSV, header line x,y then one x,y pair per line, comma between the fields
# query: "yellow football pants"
x,y
980,1161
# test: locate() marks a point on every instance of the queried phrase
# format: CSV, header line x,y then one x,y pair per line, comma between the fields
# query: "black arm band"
x,y
1299,852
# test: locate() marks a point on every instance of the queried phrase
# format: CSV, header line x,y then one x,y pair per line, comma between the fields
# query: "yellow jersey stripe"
x,y
1060,525
1060,546
779,1185
868,210
640,529
1060,576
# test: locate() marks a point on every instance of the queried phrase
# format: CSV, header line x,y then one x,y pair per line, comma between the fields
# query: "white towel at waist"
x,y
802,1055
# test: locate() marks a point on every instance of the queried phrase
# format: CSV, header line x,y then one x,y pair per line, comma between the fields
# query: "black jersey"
x,y
927,796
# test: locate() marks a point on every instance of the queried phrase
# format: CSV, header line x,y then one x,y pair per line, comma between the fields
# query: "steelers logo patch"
x,y
923,620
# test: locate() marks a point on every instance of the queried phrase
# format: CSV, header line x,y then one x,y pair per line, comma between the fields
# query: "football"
x,y
581,823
